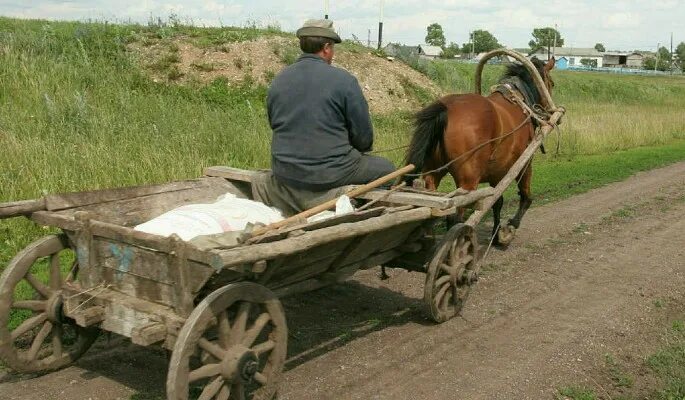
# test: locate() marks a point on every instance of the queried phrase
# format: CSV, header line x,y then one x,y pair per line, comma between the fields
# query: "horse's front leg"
x,y
507,233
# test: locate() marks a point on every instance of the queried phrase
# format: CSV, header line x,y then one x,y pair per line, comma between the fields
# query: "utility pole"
x,y
473,45
554,49
380,28
657,56
326,5
670,64
368,39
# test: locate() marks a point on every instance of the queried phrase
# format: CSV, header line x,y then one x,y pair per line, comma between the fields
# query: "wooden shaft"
x,y
19,208
516,169
331,203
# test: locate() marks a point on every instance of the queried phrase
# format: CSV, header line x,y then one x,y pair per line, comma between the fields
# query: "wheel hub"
x,y
55,308
241,364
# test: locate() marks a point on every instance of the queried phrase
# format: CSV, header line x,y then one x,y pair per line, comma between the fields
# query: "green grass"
x,y
576,393
663,378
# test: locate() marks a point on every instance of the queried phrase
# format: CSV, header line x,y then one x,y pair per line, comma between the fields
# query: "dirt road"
x,y
595,275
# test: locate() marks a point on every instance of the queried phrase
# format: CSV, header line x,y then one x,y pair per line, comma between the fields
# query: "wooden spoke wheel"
x,y
233,346
35,336
451,273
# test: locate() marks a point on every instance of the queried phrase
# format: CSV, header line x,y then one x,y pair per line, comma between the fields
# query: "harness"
x,y
517,92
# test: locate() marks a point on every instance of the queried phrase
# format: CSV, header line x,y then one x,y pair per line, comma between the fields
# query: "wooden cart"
x,y
217,310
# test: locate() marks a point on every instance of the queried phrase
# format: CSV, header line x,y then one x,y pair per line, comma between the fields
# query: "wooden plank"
x,y
89,316
310,240
149,334
57,202
230,173
405,198
342,219
21,208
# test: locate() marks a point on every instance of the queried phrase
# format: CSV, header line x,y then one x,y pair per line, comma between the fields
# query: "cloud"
x,y
630,24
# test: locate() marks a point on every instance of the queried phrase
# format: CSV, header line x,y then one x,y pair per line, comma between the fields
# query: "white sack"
x,y
228,213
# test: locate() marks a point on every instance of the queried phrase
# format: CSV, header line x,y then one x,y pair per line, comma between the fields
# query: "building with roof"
x,y
429,52
573,55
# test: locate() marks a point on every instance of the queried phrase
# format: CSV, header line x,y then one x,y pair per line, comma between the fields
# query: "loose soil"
x,y
388,86
595,275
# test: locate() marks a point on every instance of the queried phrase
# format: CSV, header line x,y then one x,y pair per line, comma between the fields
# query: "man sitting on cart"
x,y
320,120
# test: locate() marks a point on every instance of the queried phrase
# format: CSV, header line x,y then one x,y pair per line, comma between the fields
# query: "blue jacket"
x,y
320,122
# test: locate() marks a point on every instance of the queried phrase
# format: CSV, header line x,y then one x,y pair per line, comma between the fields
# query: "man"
x,y
320,119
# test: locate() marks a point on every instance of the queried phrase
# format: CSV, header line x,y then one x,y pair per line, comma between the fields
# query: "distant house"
x,y
401,51
635,60
562,63
429,52
573,55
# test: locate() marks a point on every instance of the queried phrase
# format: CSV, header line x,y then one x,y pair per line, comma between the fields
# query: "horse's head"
x,y
544,69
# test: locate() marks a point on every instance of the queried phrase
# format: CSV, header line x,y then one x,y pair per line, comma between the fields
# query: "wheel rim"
x,y
233,346
451,273
34,335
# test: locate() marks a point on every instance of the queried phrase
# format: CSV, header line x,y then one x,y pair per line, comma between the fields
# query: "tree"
x,y
482,41
588,62
544,37
600,47
664,63
680,52
450,51
435,35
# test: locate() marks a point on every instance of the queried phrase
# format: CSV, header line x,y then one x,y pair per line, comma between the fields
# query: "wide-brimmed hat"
x,y
320,28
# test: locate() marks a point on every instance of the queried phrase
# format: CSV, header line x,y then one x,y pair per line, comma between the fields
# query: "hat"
x,y
320,28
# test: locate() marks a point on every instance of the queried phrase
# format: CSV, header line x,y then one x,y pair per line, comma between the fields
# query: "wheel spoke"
x,y
28,325
33,305
256,329
211,348
224,393
57,341
465,260
446,268
449,295
39,340
238,329
55,273
224,329
204,371
264,347
39,286
441,293
442,280
260,378
238,391
212,389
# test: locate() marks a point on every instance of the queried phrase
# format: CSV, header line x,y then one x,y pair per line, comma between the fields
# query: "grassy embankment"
x,y
79,113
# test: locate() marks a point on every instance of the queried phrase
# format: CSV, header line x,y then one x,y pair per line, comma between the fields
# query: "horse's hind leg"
x,y
496,211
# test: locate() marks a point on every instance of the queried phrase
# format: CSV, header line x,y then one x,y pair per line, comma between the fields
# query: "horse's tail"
x,y
430,125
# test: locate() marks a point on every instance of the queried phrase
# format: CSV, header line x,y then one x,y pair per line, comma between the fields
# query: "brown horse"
x,y
485,135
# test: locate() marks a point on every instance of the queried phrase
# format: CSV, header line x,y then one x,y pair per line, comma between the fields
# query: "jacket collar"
x,y
313,57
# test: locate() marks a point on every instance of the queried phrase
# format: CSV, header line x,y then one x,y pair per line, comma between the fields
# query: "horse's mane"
x,y
516,70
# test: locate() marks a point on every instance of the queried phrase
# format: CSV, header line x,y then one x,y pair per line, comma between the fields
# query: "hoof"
x,y
505,235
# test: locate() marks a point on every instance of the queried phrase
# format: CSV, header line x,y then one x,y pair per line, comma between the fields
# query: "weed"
x,y
204,67
580,228
577,393
658,303
174,73
619,378
269,76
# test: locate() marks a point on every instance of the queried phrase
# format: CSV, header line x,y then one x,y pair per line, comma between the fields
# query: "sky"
x,y
624,25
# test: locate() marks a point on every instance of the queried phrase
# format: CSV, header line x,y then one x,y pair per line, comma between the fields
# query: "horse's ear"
x,y
550,64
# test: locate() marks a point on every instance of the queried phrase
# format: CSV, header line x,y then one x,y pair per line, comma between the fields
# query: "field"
x,y
80,112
